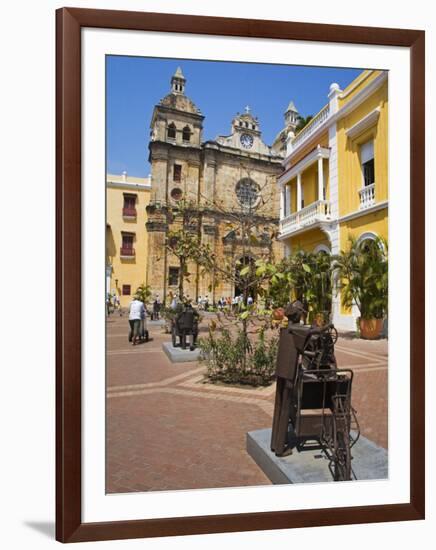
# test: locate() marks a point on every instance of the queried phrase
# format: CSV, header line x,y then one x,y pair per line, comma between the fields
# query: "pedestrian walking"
x,y
156,309
143,326
117,304
108,304
136,309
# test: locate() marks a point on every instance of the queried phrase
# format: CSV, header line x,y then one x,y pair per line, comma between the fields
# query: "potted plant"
x,y
362,275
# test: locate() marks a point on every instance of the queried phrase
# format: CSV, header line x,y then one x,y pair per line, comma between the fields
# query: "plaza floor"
x,y
167,429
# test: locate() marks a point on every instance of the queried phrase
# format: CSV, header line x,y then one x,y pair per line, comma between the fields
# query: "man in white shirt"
x,y
136,312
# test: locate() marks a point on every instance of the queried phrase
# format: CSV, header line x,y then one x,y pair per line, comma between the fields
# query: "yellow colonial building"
x,y
335,179
126,239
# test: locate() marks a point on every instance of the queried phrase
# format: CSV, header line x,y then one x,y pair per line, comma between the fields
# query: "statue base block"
x,y
311,466
156,323
179,355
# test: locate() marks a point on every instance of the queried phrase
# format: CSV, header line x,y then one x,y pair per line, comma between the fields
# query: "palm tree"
x,y
143,293
302,122
362,275
311,277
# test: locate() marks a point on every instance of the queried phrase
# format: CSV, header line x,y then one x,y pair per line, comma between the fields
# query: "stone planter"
x,y
370,329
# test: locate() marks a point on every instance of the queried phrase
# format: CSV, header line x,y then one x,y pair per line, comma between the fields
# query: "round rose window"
x,y
176,194
247,192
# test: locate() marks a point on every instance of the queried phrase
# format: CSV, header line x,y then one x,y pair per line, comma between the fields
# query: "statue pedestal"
x,y
179,355
311,466
157,323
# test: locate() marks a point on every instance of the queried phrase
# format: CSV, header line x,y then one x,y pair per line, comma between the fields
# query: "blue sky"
x,y
219,89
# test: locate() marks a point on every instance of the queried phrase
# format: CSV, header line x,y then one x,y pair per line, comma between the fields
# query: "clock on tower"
x,y
246,141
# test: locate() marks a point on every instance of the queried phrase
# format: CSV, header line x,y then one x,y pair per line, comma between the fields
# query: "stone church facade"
x,y
230,173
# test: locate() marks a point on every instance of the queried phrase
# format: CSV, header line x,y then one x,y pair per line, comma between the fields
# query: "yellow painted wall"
x,y
365,78
309,185
349,166
308,240
376,222
127,271
322,140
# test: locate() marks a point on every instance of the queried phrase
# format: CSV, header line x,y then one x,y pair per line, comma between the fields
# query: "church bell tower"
x,y
175,157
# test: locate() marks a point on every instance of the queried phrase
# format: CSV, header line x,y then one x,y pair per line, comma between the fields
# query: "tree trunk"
x,y
181,278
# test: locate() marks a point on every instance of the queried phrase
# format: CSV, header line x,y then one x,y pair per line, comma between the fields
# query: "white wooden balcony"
x,y
316,212
367,196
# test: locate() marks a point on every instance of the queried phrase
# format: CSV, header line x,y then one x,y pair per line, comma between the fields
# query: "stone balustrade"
x,y
367,196
318,211
310,128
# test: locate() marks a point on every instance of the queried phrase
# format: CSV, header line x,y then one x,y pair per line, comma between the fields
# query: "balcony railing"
x,y
318,211
311,126
129,212
367,196
127,252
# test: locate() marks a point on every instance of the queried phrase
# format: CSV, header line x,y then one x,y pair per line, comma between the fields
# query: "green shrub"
x,y
236,360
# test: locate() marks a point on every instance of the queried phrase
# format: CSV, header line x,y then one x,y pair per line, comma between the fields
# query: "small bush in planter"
x,y
234,359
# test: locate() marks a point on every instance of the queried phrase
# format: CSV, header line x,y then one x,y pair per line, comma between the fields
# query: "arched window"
x,y
365,240
186,134
171,132
368,240
247,192
321,248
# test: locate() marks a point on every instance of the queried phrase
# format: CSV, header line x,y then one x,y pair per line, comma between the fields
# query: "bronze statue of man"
x,y
291,338
187,324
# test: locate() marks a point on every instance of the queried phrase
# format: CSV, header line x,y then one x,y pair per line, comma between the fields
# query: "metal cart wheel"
x,y
342,468
341,443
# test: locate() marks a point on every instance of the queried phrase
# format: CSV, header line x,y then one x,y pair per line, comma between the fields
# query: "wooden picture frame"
x,y
69,525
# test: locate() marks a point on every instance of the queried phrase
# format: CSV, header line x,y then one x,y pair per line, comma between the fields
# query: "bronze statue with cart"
x,y
185,324
313,397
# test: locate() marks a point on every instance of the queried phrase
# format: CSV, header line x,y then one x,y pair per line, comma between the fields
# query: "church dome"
x,y
180,103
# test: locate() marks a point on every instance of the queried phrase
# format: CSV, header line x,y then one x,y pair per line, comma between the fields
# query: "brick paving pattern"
x,y
167,429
